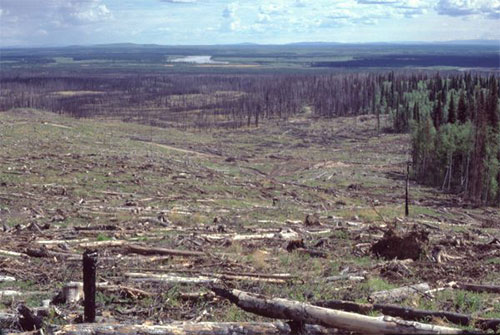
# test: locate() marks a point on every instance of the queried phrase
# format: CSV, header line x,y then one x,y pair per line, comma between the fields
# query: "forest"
x,y
453,118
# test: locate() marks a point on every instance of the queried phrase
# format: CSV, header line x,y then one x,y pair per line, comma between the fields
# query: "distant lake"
x,y
197,60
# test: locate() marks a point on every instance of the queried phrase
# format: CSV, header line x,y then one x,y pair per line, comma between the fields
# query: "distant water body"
x,y
197,60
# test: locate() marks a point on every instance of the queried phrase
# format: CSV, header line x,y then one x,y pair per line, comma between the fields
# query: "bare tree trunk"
x,y
407,198
309,314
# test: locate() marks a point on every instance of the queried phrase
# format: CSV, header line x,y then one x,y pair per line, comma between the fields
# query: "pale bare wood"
x,y
291,235
398,294
166,278
12,253
305,313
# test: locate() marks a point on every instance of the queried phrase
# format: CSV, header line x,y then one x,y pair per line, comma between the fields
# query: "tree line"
x,y
453,119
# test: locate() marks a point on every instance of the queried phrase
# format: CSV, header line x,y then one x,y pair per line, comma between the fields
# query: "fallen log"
x,y
228,277
46,253
103,244
9,293
291,235
399,293
12,253
309,314
190,328
407,313
475,287
166,278
6,278
138,249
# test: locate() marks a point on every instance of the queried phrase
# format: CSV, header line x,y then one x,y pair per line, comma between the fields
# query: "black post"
x,y
407,209
89,286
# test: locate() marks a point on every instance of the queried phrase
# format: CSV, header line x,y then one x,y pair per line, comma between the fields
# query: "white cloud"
x,y
490,8
179,1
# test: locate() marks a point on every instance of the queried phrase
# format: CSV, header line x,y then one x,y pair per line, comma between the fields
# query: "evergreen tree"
x,y
438,114
452,117
462,109
416,112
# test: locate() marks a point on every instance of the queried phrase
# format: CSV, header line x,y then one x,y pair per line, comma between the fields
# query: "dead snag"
x,y
407,190
89,285
190,328
138,249
309,314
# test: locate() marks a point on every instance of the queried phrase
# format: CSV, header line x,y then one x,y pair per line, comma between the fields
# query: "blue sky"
x,y
69,22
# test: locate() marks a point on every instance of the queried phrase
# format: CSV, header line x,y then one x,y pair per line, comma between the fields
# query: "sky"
x,y
176,22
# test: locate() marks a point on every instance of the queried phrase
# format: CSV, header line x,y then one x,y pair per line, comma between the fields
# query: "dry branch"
x,y
306,313
138,249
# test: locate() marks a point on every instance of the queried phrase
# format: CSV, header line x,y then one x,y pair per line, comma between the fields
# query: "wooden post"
x,y
407,200
89,286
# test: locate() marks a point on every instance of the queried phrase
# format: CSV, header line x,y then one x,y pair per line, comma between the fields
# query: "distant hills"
x,y
475,42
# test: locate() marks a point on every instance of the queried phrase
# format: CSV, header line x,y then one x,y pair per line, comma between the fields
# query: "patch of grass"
x,y
103,237
494,260
376,284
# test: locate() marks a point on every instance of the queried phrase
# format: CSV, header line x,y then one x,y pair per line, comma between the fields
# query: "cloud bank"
x,y
52,22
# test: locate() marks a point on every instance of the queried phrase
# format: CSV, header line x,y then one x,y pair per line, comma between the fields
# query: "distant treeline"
x,y
394,61
453,119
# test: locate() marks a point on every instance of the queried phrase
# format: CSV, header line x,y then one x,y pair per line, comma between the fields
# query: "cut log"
x,y
309,314
7,278
72,292
12,253
28,320
291,235
138,249
398,294
190,328
165,278
98,227
410,313
9,293
103,244
43,252
52,242
347,277
476,288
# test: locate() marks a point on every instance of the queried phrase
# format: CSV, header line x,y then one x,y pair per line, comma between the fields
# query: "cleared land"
x,y
236,202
